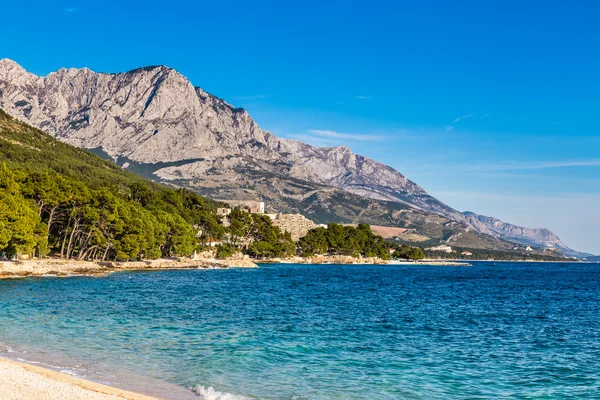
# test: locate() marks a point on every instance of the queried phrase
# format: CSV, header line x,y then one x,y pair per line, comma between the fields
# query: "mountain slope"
x,y
518,234
62,200
154,121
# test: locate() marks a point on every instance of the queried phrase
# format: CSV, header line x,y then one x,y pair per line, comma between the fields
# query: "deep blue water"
x,y
512,330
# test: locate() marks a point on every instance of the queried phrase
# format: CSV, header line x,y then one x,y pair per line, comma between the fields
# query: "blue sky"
x,y
490,106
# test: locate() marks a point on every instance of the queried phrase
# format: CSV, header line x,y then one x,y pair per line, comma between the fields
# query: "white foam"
x,y
4,348
211,394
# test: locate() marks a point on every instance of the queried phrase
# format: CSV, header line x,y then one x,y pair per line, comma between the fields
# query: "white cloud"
x,y
363,97
463,117
71,9
485,115
457,152
516,165
313,140
450,128
348,136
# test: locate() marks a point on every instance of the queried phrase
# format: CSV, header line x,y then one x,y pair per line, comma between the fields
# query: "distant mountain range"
x,y
527,236
154,122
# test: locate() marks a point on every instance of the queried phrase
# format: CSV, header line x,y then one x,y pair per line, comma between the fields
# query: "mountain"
x,y
527,236
154,122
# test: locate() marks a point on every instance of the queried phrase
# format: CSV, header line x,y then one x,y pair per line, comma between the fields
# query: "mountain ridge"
x,y
221,130
155,116
518,234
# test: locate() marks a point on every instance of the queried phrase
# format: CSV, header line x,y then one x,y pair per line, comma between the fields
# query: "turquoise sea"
x,y
493,330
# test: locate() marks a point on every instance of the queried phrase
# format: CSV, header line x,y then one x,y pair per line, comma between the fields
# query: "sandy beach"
x,y
20,381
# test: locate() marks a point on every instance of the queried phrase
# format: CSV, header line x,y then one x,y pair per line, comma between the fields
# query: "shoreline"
x,y
66,268
53,267
20,380
348,260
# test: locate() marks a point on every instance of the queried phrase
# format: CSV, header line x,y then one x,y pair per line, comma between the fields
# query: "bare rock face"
x,y
155,117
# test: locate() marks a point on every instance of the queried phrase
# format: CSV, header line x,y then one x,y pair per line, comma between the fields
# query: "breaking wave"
x,y
209,393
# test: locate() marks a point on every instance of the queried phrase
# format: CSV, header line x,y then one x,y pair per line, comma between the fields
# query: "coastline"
x,y
24,381
338,259
64,268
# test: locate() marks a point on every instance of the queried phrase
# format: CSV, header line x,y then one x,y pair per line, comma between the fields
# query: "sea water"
x,y
493,330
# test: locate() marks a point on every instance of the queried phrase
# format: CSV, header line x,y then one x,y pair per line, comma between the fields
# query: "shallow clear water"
x,y
518,330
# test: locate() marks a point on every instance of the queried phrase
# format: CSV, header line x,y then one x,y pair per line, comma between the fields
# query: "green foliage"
x,y
487,254
268,240
344,240
261,249
240,225
225,250
415,253
21,230
60,199
407,252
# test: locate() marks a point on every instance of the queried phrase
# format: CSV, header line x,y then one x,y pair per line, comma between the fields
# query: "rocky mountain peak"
x,y
10,70
6,63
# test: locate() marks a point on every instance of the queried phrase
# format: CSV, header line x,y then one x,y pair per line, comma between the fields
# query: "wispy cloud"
x,y
536,200
70,9
450,128
363,97
252,97
329,138
347,136
485,115
457,152
463,117
516,166
314,140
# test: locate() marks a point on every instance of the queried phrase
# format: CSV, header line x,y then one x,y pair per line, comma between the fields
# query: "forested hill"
x,y
56,198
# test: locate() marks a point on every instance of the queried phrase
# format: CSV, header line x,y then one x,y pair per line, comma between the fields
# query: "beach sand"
x,y
20,381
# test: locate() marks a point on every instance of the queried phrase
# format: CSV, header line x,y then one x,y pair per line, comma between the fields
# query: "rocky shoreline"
x,y
339,259
62,268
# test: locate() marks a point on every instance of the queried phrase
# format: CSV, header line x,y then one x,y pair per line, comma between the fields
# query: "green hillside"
x,y
59,199
56,199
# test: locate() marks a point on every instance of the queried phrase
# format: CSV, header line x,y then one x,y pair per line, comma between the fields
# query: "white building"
x,y
442,248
